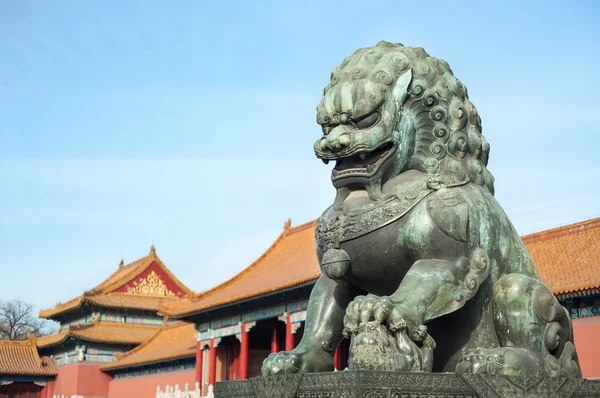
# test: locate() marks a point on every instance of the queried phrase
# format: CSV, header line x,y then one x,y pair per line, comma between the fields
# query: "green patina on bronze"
x,y
421,267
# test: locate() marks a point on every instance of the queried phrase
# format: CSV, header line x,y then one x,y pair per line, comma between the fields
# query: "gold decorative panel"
x,y
151,285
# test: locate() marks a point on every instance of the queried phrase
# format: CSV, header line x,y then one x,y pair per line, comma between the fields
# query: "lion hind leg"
x,y
534,331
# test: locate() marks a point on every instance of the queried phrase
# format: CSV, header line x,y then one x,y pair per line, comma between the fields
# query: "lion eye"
x,y
368,121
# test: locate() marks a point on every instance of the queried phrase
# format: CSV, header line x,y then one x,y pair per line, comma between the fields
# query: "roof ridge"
x,y
101,288
287,231
142,265
122,268
32,339
284,286
302,227
562,230
59,304
173,278
50,336
242,272
16,343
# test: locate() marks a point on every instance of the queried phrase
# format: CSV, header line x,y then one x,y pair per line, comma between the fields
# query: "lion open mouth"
x,y
364,163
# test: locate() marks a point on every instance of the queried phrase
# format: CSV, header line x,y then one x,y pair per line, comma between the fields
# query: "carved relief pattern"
x,y
532,387
353,384
285,386
589,388
415,380
237,389
151,285
374,393
329,232
430,395
360,224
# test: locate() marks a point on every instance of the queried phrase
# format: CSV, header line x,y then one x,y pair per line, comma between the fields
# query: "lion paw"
x,y
386,337
381,309
281,363
500,361
300,360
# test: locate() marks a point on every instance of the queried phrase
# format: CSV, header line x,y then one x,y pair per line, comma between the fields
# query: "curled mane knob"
x,y
335,263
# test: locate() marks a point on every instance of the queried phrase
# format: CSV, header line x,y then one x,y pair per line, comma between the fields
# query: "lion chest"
x,y
374,244
365,245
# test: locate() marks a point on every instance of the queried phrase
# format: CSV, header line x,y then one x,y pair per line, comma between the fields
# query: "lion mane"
x,y
448,141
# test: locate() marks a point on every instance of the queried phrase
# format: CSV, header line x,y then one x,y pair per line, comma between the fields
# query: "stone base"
x,y
380,384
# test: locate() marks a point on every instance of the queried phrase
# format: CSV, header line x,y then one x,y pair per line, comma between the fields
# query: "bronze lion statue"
x,y
421,267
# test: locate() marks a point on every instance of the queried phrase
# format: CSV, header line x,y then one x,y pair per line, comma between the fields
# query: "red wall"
x,y
586,333
145,386
79,379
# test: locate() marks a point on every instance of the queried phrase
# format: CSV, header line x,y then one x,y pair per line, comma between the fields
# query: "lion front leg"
x,y
322,333
390,333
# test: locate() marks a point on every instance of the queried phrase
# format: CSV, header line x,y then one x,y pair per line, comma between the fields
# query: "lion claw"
x,y
281,363
381,309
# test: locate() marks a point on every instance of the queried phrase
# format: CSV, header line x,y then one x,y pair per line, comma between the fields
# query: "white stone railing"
x,y
176,392
66,396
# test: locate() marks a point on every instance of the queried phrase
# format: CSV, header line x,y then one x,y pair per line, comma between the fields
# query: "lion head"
x,y
389,109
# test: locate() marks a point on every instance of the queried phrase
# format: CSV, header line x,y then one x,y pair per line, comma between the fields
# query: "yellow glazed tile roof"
x,y
568,257
173,341
103,295
20,358
290,261
102,332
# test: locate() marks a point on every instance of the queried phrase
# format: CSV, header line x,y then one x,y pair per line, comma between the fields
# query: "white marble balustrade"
x,y
177,392
66,396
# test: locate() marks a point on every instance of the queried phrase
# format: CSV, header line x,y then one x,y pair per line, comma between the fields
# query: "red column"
x,y
336,358
289,336
244,354
344,353
199,355
275,337
212,362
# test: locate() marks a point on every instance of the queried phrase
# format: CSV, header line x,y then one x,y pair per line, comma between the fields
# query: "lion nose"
x,y
335,142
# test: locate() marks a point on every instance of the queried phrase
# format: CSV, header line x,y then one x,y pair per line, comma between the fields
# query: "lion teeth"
x,y
362,156
325,161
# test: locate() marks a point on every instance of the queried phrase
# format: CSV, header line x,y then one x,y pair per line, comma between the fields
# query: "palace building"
x,y
142,328
107,321
23,373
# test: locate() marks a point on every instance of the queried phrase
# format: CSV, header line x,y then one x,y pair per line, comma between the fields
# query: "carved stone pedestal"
x,y
380,384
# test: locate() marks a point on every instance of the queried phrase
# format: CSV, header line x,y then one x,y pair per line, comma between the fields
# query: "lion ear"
x,y
400,90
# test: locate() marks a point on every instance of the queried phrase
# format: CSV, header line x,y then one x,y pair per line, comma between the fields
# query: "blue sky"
x,y
189,125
